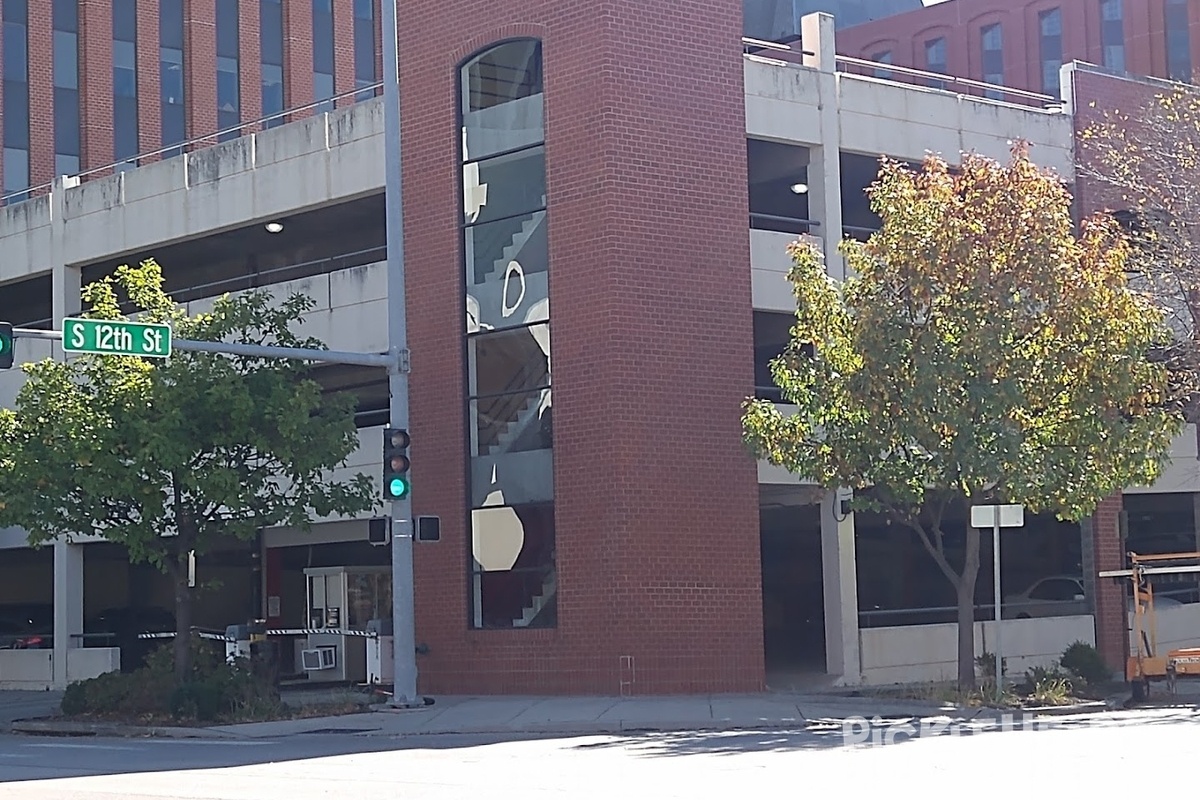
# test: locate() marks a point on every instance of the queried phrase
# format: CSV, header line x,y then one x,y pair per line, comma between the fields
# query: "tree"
x,y
1142,165
167,458
982,353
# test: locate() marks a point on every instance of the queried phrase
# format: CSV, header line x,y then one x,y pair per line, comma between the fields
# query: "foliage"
x,y
1142,164
979,352
1085,664
1049,686
170,457
211,689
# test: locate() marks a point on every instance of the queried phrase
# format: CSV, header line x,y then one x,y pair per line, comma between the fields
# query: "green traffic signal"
x,y
6,345
396,484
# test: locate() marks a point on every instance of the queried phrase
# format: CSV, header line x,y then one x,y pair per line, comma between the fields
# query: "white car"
x,y
1060,596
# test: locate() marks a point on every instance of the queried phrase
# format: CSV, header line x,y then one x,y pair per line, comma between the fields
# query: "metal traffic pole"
x,y
996,593
403,602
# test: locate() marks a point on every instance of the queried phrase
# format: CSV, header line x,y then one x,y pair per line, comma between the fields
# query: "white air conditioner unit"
x,y
318,658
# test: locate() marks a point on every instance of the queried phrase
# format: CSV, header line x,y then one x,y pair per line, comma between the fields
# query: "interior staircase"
x,y
539,601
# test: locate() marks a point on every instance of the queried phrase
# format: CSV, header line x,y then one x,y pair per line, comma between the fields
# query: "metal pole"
x,y
403,601
996,594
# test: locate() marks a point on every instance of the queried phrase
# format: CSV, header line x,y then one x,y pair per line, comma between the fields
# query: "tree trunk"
x,y
183,621
966,612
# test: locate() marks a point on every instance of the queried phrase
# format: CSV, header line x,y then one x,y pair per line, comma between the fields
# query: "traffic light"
x,y
6,345
396,485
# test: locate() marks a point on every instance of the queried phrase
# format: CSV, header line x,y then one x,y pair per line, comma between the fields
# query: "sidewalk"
x,y
581,715
507,716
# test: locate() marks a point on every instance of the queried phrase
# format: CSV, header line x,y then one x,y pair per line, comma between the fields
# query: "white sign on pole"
x,y
1011,516
997,517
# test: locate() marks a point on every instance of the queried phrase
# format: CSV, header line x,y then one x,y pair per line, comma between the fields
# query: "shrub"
x,y
1085,663
212,689
1051,690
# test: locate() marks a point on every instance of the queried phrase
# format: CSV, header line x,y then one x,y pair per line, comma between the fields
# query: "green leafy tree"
x,y
170,457
983,352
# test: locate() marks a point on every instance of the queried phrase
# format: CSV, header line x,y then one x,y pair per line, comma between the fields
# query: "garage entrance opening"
x,y
793,595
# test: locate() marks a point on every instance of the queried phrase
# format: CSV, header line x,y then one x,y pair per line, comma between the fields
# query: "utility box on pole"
x,y
381,657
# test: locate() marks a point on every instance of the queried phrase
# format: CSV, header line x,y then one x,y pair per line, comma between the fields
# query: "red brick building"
x,y
660,579
1023,43
90,83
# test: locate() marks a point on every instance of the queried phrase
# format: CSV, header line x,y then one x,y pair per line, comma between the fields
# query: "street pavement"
x,y
1077,756
24,705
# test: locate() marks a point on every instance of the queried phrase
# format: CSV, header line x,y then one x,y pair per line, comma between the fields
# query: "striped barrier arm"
x,y
220,637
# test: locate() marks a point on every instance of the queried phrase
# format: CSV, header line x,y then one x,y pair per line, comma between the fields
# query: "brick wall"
x,y
298,55
250,61
1112,637
656,516
343,49
96,82
200,66
149,94
41,94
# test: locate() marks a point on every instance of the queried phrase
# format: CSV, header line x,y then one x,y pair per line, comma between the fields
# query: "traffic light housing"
x,y
396,484
6,345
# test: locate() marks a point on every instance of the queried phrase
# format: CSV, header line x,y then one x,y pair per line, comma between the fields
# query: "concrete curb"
x,y
1074,708
620,727
49,727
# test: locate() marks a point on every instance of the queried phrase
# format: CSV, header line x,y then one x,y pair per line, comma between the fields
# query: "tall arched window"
x,y
506,258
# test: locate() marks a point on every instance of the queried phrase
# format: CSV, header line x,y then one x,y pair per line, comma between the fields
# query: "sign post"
x,y
116,338
997,517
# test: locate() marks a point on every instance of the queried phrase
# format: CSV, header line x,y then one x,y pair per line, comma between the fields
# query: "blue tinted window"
x,y
364,43
323,57
16,52
66,60
124,69
124,20
65,15
227,28
170,23
1050,24
270,20
16,114
125,128
16,11
1179,43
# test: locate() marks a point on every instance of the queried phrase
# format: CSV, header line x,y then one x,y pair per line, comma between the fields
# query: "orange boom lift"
x,y
1146,663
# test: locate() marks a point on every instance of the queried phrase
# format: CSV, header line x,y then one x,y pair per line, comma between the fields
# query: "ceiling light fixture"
x,y
274,227
800,188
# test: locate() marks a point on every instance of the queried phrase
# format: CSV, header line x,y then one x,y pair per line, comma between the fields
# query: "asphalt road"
x,y
1094,755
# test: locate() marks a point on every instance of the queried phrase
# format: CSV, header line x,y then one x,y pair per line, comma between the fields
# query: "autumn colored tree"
x,y
1142,164
168,457
981,352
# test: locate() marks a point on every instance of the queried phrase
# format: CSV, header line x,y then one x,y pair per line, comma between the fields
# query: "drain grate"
x,y
343,730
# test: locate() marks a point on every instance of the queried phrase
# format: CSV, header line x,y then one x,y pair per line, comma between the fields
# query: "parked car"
x,y
26,627
1061,596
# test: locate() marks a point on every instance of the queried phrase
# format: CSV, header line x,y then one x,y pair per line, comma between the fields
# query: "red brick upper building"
x,y
1024,43
89,83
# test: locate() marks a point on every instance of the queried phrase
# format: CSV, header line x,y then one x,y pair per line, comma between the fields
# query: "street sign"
x,y
116,338
997,517
1009,516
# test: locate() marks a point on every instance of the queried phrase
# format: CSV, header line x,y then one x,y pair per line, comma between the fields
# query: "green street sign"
x,y
109,338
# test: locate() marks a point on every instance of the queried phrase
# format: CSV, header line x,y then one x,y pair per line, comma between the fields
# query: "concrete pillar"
x,y
840,576
68,558
68,605
65,281
824,165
